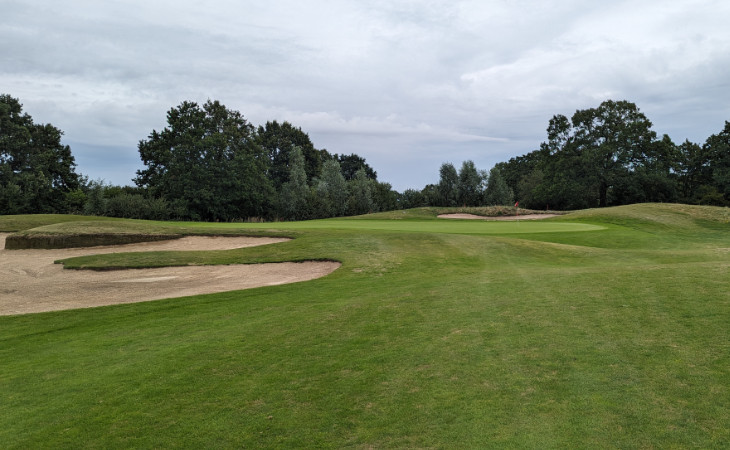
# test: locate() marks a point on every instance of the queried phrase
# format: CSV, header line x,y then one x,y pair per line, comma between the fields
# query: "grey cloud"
x,y
406,84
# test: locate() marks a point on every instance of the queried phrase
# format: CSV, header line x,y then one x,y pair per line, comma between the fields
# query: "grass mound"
x,y
23,222
48,241
87,233
661,214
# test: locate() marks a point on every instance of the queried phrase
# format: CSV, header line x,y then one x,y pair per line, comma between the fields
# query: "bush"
x,y
135,206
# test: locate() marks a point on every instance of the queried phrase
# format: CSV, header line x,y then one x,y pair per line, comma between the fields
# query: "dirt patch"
x,y
519,217
31,282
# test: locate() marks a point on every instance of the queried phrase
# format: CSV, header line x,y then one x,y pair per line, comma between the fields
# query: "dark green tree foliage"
x,y
351,163
602,156
384,197
448,185
332,189
497,191
693,170
279,140
360,198
36,172
717,147
207,164
431,196
523,174
610,140
294,193
96,201
469,185
412,198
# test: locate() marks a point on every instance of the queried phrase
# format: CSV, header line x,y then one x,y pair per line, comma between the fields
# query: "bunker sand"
x,y
30,282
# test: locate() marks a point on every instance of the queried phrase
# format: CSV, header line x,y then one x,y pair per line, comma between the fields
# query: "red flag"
x,y
517,204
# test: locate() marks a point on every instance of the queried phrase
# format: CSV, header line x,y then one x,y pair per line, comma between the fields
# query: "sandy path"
x,y
31,282
520,217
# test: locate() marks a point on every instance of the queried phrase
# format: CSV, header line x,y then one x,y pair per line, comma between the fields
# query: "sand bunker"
x,y
474,216
31,282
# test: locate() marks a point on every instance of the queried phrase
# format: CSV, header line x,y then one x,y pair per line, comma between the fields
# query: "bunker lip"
x,y
516,217
33,283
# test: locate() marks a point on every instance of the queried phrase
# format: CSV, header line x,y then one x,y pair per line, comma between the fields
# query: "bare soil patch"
x,y
518,217
31,282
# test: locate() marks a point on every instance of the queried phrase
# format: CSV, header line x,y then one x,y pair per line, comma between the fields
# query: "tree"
x,y
351,163
95,199
447,187
279,140
411,198
360,199
37,172
693,170
332,189
717,147
650,178
294,193
524,175
469,185
383,195
207,164
497,191
614,137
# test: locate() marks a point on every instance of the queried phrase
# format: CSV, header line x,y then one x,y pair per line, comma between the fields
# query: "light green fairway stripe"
x,y
436,226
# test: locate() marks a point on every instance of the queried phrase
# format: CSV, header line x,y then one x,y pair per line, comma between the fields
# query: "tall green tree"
x,y
351,163
717,147
448,185
469,185
37,172
692,169
384,197
497,191
360,196
279,139
614,137
332,189
207,164
294,193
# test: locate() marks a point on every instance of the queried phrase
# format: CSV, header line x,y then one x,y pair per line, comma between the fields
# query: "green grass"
x,y
599,329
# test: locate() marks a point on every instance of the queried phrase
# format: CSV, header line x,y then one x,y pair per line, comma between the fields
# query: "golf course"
x,y
600,328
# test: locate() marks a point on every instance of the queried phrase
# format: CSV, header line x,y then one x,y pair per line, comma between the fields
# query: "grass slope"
x,y
608,332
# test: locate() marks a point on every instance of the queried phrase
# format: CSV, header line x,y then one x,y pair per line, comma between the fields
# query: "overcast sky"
x,y
406,84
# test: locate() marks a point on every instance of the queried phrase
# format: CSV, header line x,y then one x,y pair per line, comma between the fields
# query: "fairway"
x,y
599,329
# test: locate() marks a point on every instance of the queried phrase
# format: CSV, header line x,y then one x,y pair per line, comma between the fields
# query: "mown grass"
x,y
440,337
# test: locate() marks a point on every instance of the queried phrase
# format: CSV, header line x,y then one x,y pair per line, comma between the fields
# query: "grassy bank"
x,y
603,328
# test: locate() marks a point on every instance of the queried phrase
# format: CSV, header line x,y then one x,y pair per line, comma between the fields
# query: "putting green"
x,y
436,226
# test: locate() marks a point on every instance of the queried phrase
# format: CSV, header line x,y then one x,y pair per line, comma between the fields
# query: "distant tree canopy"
x,y
209,163
37,172
609,155
279,140
467,187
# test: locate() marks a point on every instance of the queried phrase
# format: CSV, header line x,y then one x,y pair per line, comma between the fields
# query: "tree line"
x,y
209,163
609,155
468,186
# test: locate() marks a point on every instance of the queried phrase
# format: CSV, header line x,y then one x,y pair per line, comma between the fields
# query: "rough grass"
x,y
609,338
432,212
91,231
29,221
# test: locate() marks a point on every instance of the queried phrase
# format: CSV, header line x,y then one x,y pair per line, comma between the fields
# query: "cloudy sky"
x,y
406,84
